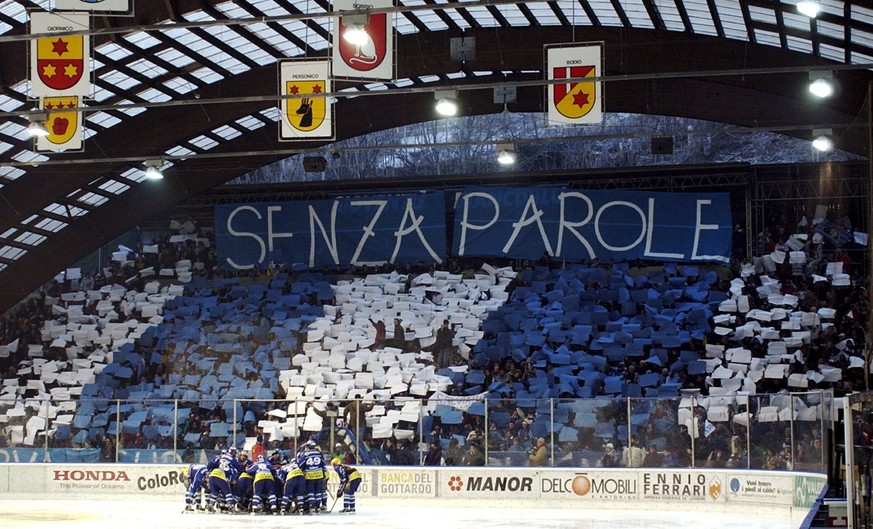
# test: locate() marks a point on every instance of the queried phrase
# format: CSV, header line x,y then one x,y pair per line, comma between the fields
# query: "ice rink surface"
x,y
166,515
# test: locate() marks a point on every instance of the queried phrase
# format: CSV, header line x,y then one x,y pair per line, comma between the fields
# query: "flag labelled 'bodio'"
x,y
572,98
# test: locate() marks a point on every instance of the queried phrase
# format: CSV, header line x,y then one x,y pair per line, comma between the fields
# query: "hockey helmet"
x,y
335,462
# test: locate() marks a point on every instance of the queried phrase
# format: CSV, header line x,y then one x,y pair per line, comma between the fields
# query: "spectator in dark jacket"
x,y
454,454
403,455
653,458
434,456
474,457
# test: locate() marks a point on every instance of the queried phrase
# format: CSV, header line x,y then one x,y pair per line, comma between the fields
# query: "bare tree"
x,y
466,146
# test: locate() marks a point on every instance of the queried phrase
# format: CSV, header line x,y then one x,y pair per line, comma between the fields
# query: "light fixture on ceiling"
x,y
505,153
809,8
153,169
37,126
355,33
822,141
447,102
822,83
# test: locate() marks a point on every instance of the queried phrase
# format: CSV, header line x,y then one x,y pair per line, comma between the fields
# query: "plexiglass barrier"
x,y
782,431
856,475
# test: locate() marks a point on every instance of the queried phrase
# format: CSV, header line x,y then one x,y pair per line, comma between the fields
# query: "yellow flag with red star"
x,y
305,112
60,61
572,98
64,124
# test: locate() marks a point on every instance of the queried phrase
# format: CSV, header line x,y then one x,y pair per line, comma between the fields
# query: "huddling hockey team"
x,y
232,483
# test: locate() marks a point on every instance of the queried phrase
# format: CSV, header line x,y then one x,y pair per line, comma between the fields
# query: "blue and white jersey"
x,y
194,469
262,470
291,470
196,474
346,473
311,462
224,466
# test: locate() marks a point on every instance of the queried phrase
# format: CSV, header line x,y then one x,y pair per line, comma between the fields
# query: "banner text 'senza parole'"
x,y
522,223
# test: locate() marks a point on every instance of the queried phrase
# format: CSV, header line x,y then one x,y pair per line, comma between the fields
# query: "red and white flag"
x,y
576,100
363,45
60,65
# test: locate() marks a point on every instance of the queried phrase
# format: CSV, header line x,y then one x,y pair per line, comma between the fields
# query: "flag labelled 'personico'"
x,y
309,113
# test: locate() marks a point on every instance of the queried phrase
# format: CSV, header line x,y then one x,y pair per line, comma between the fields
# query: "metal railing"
x,y
781,431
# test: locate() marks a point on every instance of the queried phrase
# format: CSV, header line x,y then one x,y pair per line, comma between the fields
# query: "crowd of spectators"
x,y
839,343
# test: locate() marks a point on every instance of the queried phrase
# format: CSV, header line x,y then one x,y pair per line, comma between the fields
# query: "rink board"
x,y
720,490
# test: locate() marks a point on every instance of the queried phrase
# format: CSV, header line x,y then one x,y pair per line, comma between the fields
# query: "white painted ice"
x,y
168,515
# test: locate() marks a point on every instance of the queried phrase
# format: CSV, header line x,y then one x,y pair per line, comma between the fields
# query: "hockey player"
x,y
350,480
264,487
276,458
242,490
223,469
294,487
311,462
194,476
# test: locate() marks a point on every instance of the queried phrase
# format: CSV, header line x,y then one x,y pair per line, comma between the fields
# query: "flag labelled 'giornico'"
x,y
60,64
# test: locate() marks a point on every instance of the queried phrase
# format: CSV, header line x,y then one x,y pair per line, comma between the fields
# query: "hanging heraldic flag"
x,y
309,116
574,101
59,64
93,5
371,54
64,125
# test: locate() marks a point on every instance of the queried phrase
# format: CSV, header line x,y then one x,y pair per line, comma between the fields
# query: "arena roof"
x,y
194,83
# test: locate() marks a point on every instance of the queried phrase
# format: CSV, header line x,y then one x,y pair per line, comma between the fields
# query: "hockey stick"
x,y
339,494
